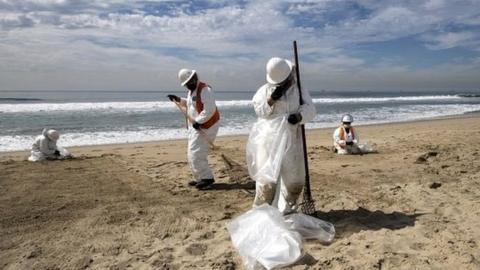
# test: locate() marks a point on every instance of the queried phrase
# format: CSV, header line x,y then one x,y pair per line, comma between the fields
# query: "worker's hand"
x,y
57,153
196,125
277,93
282,88
294,118
173,98
349,143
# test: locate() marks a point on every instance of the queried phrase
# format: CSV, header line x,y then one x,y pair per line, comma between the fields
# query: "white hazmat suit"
x,y
45,146
276,145
199,140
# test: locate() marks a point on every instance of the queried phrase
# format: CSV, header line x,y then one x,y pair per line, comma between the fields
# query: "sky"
x,y
140,45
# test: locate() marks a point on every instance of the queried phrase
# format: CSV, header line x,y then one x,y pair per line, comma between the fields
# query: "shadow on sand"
x,y
247,186
348,222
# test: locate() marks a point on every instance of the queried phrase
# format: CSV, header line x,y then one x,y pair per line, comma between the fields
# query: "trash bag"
x,y
366,148
262,236
311,228
64,153
266,148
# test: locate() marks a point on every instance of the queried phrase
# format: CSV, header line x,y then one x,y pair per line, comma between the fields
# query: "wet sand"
x,y
413,205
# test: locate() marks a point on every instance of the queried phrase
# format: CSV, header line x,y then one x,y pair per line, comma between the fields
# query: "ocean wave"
x,y
469,95
20,99
24,142
107,106
169,106
385,99
363,116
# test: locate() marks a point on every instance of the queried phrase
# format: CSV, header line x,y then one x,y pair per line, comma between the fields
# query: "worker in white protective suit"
x,y
345,138
45,146
203,124
274,149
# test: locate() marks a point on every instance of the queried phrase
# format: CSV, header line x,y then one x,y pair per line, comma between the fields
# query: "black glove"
x,y
173,98
196,125
349,143
281,88
294,118
57,153
277,93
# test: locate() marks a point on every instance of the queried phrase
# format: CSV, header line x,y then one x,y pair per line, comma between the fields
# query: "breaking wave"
x,y
168,106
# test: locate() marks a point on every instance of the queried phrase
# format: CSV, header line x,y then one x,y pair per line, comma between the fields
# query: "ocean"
x,y
95,118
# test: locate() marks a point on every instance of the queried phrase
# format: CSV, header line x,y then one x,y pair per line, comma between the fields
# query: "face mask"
x,y
192,84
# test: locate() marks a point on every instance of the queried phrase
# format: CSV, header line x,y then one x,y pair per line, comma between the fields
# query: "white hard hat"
x,y
278,69
184,75
53,135
347,118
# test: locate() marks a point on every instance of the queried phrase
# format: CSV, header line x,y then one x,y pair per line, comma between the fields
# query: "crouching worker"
x,y
274,149
204,121
45,147
346,140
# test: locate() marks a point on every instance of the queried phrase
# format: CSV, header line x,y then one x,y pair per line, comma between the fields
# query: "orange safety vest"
x,y
342,133
199,106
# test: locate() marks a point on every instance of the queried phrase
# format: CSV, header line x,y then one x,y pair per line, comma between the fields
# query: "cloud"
x,y
453,39
14,20
230,41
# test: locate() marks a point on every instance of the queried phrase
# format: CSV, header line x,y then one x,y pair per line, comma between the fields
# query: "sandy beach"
x,y
413,205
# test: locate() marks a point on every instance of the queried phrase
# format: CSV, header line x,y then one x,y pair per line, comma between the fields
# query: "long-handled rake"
x,y
308,204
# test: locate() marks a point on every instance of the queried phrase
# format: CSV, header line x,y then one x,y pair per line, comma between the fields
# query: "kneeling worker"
x,y
45,146
203,117
345,138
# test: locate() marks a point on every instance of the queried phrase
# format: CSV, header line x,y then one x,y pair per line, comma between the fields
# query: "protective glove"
x,y
294,118
281,89
277,93
57,153
173,98
196,125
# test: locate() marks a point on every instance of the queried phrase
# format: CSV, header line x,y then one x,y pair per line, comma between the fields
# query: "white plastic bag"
x,y
64,153
366,148
311,228
266,147
261,235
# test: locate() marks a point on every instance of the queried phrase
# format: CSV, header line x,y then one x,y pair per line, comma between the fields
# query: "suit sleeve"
x,y
336,137
46,148
260,103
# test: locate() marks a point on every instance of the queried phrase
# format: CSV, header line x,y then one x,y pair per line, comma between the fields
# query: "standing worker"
x,y
345,137
203,117
277,99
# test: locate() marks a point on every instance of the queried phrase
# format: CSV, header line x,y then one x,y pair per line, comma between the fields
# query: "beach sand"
x,y
413,205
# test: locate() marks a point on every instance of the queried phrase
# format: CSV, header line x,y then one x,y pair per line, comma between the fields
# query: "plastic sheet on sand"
x,y
264,236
